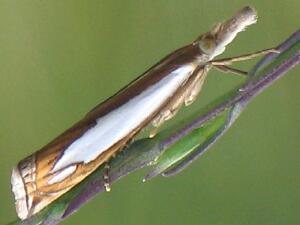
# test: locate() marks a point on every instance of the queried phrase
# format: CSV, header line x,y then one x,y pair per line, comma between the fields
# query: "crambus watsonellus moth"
x,y
153,98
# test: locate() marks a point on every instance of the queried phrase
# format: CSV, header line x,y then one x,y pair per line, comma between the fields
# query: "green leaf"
x,y
188,144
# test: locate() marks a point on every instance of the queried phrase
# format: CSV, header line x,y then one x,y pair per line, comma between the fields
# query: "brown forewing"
x,y
43,193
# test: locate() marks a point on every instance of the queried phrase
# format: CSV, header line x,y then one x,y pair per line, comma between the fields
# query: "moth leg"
x,y
229,61
106,177
196,87
184,96
227,69
166,114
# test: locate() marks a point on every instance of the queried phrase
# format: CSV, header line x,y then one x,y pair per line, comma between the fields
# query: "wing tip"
x,y
19,190
22,182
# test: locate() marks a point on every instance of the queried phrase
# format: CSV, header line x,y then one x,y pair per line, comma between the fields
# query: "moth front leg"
x,y
229,61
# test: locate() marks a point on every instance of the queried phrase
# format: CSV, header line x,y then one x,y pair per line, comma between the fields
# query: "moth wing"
x,y
35,185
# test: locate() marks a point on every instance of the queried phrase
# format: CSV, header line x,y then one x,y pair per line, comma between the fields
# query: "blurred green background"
x,y
58,59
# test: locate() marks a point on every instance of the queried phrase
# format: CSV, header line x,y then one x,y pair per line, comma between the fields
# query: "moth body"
x,y
153,98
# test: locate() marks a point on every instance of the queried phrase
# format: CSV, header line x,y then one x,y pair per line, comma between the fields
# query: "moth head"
x,y
214,42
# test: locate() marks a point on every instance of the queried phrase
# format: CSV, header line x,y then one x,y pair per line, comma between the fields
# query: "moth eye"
x,y
207,44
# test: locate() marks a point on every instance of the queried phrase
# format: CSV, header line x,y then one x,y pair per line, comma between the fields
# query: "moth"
x,y
150,100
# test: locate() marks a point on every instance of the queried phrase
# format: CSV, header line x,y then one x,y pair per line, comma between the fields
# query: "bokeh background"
x,y
58,59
